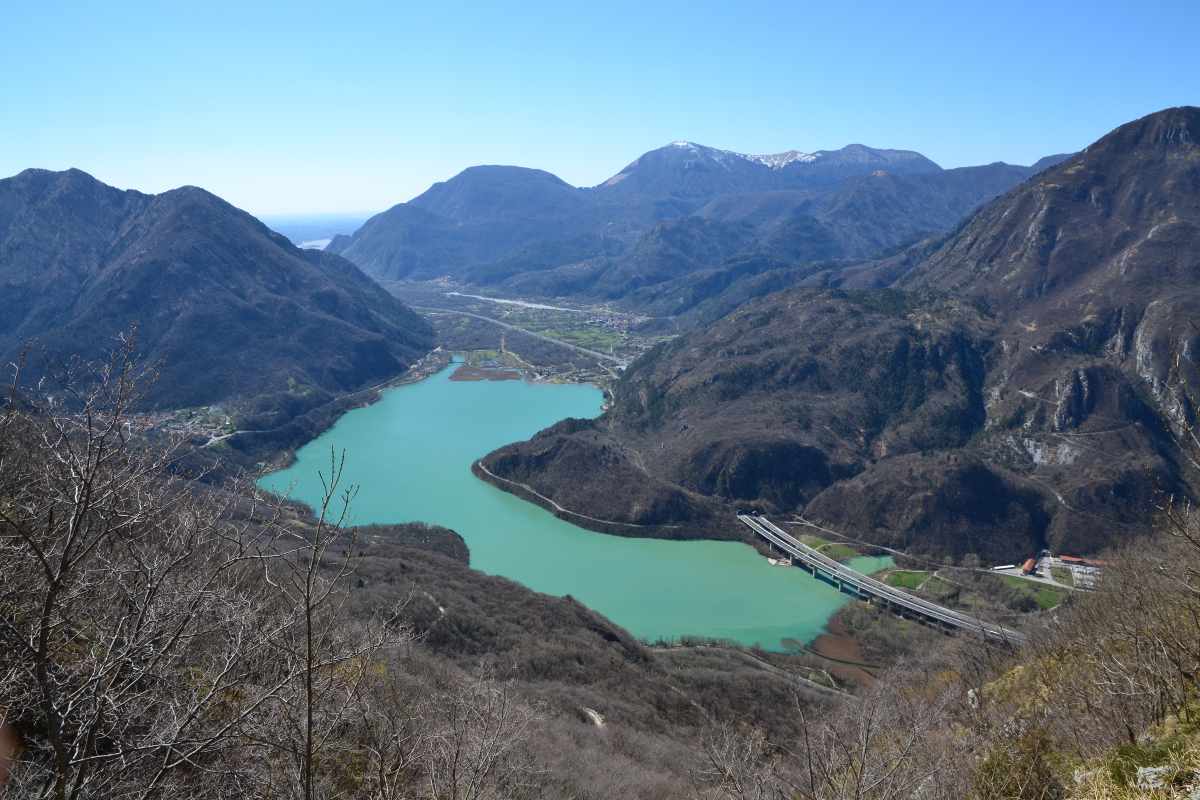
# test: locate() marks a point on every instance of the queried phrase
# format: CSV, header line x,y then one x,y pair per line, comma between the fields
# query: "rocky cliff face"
x,y
1092,270
1027,382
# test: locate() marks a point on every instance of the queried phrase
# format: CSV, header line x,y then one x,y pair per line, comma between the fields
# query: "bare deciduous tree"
x,y
154,635
740,764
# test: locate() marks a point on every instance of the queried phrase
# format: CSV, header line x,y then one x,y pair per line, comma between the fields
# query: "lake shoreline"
x,y
842,652
272,456
275,457
582,520
410,456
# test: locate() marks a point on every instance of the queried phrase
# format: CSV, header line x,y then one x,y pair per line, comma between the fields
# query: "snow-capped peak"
x,y
780,160
769,160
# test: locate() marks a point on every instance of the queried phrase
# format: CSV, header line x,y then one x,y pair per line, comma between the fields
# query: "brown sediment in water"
x,y
844,654
465,373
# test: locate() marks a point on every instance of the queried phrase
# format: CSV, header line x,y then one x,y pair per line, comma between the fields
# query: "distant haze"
x,y
286,108
313,230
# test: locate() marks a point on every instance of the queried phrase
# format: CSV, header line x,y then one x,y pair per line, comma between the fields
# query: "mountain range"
x,y
1024,381
674,212
223,306
1020,379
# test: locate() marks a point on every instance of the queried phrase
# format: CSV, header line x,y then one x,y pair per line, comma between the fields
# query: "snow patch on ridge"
x,y
780,160
769,160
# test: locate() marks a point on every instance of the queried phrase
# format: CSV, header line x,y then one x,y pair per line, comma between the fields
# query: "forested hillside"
x,y
1023,384
672,214
225,307
160,638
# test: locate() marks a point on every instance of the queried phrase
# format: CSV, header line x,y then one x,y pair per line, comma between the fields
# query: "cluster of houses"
x,y
1084,571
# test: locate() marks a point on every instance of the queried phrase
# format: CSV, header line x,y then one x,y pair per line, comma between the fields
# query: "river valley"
x,y
410,454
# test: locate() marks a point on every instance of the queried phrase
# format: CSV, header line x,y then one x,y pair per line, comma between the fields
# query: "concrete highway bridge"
x,y
866,588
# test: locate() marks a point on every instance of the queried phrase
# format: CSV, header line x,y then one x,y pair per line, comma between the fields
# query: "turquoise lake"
x,y
411,453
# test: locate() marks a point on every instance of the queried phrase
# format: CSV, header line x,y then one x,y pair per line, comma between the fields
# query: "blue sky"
x,y
328,107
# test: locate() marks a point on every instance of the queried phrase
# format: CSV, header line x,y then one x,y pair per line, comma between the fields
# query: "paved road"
x,y
593,353
869,587
559,508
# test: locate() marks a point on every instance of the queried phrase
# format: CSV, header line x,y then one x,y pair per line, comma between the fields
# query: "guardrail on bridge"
x,y
867,588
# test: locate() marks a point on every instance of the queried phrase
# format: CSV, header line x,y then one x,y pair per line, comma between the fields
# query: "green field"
x,y
1045,596
835,550
910,579
567,327
1048,597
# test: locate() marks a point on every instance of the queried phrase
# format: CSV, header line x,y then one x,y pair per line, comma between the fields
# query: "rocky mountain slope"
x,y
689,170
681,209
1024,384
226,307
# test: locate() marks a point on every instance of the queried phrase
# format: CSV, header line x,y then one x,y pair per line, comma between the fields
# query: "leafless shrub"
x,y
887,744
474,746
150,638
740,764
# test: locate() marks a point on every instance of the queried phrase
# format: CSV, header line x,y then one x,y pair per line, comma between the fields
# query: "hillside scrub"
x,y
160,640
160,637
1101,704
147,634
163,637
